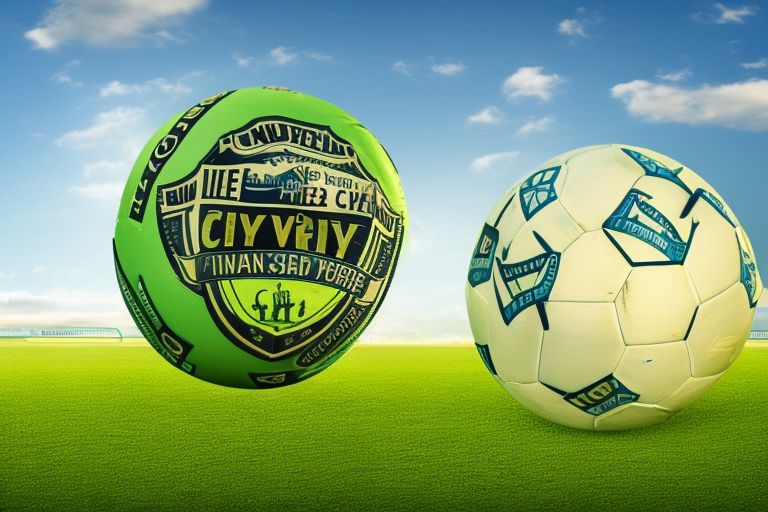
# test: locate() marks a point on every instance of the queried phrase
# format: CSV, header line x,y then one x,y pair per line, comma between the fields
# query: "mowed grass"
x,y
386,428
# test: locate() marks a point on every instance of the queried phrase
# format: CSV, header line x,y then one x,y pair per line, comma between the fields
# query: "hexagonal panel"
x,y
591,270
583,344
705,195
477,311
632,416
597,182
548,404
507,214
655,164
654,371
554,225
713,259
526,267
656,305
515,349
564,158
689,392
646,226
719,331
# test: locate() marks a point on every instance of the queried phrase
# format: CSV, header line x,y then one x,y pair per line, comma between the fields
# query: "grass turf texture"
x,y
394,428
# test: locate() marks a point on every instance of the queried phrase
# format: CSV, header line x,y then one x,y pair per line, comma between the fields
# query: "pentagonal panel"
x,y
540,189
646,226
689,392
713,260
654,371
719,331
583,344
548,404
591,270
596,184
656,305
515,349
632,416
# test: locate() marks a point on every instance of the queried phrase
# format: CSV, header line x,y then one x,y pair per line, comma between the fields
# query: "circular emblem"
x,y
287,231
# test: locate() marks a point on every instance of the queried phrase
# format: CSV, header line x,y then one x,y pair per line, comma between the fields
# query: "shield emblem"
x,y
286,236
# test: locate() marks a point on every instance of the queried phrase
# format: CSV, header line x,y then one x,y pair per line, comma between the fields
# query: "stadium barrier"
x,y
758,335
64,334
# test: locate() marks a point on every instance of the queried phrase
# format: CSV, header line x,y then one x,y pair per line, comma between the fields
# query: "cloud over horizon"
x,y
739,105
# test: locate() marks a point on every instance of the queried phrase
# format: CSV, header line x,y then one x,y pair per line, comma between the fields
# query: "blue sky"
x,y
466,97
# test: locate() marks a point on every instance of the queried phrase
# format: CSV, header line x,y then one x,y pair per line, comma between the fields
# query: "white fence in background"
x,y
758,335
60,332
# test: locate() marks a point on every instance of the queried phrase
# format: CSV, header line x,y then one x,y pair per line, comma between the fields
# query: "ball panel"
x,y
583,344
548,404
719,332
713,258
655,164
516,348
477,308
586,201
591,270
552,224
750,275
564,158
507,215
656,305
654,371
689,392
632,416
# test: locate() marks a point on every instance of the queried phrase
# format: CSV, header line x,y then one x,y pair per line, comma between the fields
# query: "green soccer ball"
x,y
257,236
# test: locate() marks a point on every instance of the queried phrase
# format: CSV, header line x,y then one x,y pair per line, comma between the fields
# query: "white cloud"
x,y
489,115
108,22
7,276
536,125
118,88
572,27
122,127
741,105
105,167
403,67
576,27
762,302
758,64
674,76
529,81
449,68
493,160
108,191
321,57
281,56
242,62
733,14
63,77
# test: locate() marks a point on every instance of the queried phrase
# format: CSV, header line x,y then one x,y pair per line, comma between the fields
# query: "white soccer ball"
x,y
611,288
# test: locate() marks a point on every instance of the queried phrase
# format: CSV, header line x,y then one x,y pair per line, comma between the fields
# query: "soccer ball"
x,y
611,288
257,236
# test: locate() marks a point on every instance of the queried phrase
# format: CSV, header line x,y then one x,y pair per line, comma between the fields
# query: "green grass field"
x,y
386,428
